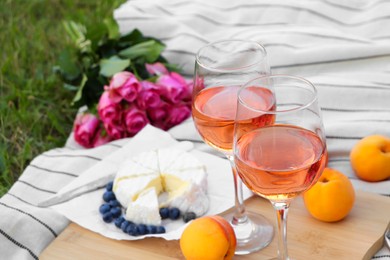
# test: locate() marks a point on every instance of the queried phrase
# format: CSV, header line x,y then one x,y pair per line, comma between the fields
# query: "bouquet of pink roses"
x,y
128,104
123,81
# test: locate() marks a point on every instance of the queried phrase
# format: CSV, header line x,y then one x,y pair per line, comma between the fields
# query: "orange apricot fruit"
x,y
208,238
370,158
331,198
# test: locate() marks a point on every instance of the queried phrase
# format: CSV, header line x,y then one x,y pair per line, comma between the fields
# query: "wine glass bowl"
x,y
285,156
220,70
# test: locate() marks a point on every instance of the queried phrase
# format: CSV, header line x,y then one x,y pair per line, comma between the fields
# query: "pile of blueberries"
x,y
111,210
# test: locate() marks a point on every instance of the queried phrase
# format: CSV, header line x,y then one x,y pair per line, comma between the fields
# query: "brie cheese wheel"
x,y
177,178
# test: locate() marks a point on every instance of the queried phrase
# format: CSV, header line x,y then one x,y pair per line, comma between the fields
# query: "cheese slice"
x,y
130,188
144,209
185,180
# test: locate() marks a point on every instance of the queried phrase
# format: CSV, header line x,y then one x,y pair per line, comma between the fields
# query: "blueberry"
x,y
164,213
188,216
114,203
160,229
118,222
104,208
142,230
124,225
151,229
109,186
132,229
108,195
116,212
107,217
174,213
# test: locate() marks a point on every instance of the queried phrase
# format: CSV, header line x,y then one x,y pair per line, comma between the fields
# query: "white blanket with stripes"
x,y
342,46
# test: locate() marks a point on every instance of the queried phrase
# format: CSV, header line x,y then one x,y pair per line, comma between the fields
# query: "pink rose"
x,y
108,110
124,85
85,128
135,119
115,131
148,97
176,87
156,68
177,114
159,113
101,138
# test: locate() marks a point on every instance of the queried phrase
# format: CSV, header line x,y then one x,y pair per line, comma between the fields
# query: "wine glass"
x,y
284,154
221,68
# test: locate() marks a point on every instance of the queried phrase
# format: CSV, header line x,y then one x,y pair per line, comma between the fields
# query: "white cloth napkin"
x,y
84,210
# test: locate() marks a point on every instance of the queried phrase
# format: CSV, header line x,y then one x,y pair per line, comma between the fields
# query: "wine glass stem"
x,y
282,210
239,216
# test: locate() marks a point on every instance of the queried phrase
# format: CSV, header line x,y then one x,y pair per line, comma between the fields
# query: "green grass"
x,y
35,111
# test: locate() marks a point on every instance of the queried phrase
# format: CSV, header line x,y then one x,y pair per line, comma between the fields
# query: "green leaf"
x,y
131,38
173,67
108,67
75,30
97,34
68,65
77,33
108,49
78,95
70,87
112,27
149,50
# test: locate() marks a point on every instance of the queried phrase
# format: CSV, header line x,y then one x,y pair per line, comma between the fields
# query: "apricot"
x,y
208,238
370,158
331,198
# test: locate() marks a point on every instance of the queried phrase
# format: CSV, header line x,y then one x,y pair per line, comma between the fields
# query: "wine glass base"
x,y
252,235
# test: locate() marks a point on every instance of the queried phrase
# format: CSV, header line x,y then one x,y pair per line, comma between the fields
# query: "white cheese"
x,y
130,188
145,209
178,178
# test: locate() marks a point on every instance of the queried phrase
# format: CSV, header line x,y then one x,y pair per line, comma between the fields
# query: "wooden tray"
x,y
359,236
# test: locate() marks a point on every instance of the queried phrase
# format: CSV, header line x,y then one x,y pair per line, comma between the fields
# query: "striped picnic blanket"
x,y
342,46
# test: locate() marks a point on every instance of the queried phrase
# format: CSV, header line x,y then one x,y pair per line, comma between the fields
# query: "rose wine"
x,y
281,161
214,112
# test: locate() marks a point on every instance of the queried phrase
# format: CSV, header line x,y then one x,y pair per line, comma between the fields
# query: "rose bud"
x,y
115,131
177,114
124,85
101,138
85,128
134,119
148,97
176,87
156,68
108,110
159,113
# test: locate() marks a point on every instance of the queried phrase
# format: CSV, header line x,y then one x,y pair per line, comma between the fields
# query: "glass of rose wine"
x,y
283,157
220,69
